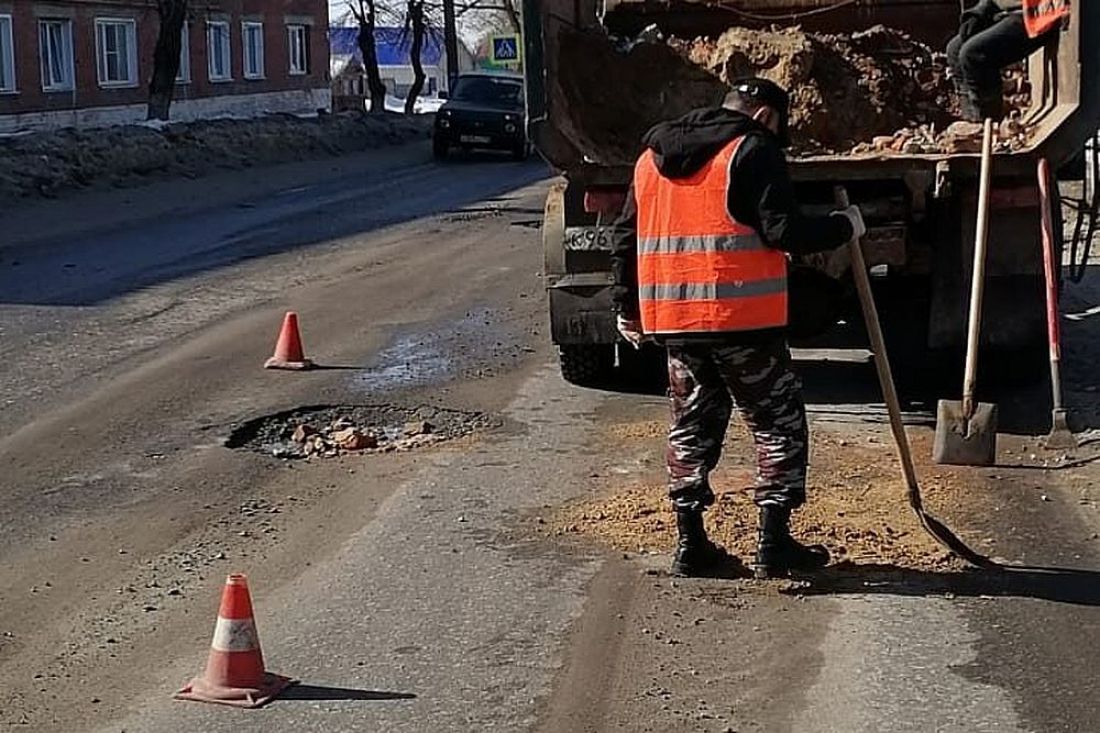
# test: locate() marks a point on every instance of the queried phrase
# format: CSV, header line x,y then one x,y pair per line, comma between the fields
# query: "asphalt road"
x,y
417,592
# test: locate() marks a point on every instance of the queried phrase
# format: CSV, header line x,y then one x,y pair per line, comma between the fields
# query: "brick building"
x,y
88,62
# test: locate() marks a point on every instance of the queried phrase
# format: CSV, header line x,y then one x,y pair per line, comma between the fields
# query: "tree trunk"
x,y
419,28
450,41
369,52
513,16
166,57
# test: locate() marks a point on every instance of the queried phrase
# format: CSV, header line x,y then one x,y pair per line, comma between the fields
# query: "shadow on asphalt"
x,y
849,392
1060,585
318,692
88,269
335,368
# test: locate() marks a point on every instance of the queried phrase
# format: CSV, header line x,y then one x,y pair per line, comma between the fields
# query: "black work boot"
x,y
696,555
970,107
777,553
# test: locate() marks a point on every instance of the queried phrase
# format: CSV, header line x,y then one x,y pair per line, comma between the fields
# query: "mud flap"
x,y
582,315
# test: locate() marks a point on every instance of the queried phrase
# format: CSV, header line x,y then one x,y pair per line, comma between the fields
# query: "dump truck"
x,y
920,207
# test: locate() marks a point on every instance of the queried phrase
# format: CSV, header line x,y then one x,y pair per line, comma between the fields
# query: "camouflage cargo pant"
x,y
706,381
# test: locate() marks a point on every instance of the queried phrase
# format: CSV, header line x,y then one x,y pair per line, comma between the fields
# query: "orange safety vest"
x,y
699,269
1042,15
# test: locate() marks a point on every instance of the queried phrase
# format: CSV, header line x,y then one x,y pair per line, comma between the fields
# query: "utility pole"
x,y
450,41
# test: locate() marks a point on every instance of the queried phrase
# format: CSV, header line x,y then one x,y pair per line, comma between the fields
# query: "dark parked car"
x,y
483,111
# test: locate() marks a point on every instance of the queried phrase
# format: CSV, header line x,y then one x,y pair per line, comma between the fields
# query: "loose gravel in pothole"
x,y
327,431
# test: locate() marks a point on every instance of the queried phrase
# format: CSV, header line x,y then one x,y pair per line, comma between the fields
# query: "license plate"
x,y
594,239
474,139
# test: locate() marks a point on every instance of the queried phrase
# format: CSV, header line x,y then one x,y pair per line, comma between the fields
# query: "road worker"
x,y
992,35
706,277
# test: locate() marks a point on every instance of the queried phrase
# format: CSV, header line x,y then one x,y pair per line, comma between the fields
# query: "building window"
x,y
7,55
183,76
55,41
217,42
116,52
298,41
253,50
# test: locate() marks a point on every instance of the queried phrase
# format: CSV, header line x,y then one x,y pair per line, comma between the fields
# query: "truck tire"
x,y
587,365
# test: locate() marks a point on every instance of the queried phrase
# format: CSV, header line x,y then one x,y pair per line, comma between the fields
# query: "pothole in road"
x,y
327,431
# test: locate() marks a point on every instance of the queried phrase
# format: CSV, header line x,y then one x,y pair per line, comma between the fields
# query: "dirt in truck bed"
x,y
875,91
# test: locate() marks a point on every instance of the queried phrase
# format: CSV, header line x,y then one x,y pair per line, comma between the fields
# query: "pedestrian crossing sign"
x,y
506,49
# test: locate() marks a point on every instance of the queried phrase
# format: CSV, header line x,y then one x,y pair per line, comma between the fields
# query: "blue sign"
x,y
505,49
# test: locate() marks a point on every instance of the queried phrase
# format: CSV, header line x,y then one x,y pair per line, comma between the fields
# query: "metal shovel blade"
x,y
1061,437
965,442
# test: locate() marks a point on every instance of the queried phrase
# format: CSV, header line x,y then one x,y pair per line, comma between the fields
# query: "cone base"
x,y
200,690
296,366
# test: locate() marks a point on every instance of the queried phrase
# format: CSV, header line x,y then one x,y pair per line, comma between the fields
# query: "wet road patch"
x,y
327,431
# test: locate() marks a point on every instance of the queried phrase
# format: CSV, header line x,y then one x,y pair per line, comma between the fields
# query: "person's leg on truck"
x,y
987,43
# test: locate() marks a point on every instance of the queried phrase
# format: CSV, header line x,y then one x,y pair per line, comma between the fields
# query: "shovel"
x,y
934,527
966,431
1060,438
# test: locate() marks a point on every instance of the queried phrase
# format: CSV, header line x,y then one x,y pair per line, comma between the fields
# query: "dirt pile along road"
x,y
46,164
875,91
856,505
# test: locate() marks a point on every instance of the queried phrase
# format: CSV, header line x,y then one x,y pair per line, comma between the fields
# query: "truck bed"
x,y
1059,119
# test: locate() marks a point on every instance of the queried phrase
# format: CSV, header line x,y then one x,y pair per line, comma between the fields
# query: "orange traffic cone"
x,y
235,669
288,349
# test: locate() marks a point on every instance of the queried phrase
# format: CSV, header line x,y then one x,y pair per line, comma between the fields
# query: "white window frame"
x,y
210,26
7,55
183,75
130,25
297,49
66,62
246,26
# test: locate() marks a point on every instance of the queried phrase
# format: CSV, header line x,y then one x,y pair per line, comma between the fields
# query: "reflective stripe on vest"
x,y
1041,16
699,269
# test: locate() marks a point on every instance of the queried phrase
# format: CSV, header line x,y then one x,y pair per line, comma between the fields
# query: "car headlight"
x,y
445,112
509,127
444,124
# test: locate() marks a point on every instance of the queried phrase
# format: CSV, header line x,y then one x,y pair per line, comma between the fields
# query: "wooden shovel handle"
x,y
1050,272
882,361
977,282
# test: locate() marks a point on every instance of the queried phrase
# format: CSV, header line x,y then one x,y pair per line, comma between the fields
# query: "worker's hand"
x,y
855,218
630,329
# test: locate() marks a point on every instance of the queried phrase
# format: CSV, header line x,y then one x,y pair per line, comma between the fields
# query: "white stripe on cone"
x,y
235,635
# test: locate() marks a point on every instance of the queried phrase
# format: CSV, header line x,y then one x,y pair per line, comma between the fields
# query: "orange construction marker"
x,y
235,668
288,349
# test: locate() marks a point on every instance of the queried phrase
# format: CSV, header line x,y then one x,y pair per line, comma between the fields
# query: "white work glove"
x,y
630,329
855,218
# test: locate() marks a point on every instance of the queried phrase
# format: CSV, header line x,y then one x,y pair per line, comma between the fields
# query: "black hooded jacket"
x,y
761,194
